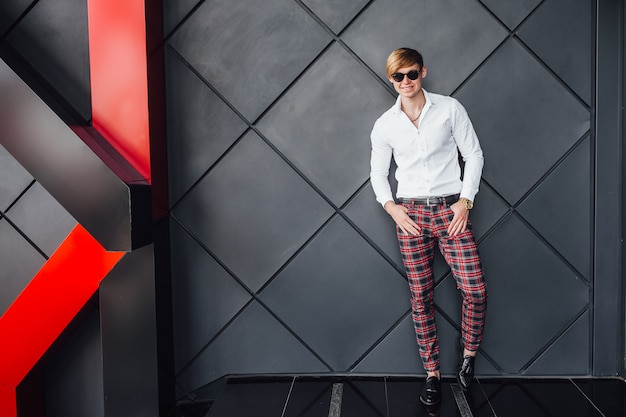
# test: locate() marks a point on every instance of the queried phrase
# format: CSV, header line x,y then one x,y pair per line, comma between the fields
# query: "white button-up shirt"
x,y
427,157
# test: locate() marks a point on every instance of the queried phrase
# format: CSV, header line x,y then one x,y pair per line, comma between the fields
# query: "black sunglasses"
x,y
413,74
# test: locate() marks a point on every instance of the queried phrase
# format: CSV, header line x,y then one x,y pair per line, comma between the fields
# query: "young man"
x,y
424,132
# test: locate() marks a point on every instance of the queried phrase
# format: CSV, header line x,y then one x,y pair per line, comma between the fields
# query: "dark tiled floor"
x,y
398,397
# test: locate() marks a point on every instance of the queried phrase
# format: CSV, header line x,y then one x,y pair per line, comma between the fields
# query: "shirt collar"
x,y
397,108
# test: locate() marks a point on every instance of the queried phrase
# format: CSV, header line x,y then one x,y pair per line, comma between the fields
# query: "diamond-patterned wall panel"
x,y
245,211
338,295
200,126
254,343
559,45
569,231
335,13
375,223
524,126
455,36
322,125
489,209
569,354
205,297
270,110
259,49
519,270
512,13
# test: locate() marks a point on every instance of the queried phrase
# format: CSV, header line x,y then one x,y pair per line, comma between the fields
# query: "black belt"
x,y
430,201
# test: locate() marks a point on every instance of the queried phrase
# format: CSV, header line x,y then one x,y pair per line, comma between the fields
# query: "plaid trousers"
x,y
461,254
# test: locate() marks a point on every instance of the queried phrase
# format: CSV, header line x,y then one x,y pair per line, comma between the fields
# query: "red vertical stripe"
x,y
119,85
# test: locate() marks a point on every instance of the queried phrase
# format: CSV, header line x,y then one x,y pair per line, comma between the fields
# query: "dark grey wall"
x,y
282,260
32,225
72,373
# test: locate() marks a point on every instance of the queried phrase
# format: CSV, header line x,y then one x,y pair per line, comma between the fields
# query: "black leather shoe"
x,y
431,394
465,372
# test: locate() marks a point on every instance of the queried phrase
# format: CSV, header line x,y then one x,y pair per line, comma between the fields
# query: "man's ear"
x,y
424,71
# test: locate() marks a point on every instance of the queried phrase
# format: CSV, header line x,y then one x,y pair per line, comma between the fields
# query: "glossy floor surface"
x,y
398,397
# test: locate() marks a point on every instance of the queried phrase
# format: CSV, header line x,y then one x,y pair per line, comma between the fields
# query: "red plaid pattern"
x,y
461,254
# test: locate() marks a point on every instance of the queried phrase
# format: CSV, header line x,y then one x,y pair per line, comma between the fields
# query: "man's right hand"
x,y
400,215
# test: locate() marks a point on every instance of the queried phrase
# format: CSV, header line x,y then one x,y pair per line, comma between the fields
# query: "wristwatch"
x,y
468,203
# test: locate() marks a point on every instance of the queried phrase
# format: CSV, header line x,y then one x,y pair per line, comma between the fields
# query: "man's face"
x,y
407,87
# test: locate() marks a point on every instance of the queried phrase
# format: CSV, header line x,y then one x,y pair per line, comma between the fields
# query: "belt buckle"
x,y
428,201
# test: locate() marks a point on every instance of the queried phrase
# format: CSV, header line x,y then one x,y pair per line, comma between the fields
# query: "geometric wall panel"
x,y
205,297
397,353
245,212
338,275
532,295
512,13
444,31
559,45
200,126
254,343
274,40
489,208
569,355
323,123
560,209
368,216
525,126
335,14
269,125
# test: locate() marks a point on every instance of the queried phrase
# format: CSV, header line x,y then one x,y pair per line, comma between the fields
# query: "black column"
x,y
608,287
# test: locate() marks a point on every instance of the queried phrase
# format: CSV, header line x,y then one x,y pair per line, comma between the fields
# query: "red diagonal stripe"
x,y
47,305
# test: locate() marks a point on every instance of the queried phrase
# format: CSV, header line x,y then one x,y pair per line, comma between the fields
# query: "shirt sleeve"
x,y
379,165
471,152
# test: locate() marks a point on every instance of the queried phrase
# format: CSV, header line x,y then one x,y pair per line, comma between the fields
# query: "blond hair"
x,y
401,58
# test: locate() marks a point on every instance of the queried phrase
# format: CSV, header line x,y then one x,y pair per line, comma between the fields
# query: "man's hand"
x,y
459,221
400,215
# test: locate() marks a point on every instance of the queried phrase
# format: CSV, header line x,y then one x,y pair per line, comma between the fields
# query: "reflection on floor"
x,y
398,397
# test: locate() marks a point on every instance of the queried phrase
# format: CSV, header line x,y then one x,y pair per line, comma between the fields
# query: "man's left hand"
x,y
459,222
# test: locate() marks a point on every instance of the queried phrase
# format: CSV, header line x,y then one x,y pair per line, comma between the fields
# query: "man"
x,y
424,132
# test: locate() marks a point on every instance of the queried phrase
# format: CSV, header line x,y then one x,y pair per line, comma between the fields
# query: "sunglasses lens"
x,y
398,76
